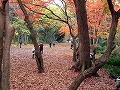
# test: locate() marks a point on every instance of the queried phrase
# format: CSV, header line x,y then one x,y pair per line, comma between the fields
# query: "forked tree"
x,y
67,20
84,45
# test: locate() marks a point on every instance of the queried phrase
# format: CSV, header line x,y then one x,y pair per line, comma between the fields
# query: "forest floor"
x,y
57,76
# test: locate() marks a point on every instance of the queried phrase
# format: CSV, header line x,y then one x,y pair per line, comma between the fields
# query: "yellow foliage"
x,y
36,25
106,8
100,34
16,33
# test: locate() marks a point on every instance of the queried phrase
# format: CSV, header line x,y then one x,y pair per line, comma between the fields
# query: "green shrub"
x,y
101,46
113,70
113,66
100,49
114,61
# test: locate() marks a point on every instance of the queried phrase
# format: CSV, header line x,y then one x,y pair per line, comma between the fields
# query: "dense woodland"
x,y
89,25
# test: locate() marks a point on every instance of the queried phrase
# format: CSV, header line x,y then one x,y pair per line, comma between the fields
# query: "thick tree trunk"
x,y
9,33
6,58
83,35
84,45
104,58
2,31
1,46
39,59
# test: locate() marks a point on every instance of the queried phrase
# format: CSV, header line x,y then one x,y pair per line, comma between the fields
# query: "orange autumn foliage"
x,y
33,5
95,14
64,30
92,36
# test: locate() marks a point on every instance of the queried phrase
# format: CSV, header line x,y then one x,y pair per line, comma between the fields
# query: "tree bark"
x,y
6,57
83,35
84,44
9,33
74,40
2,30
104,58
74,49
1,45
39,59
6,33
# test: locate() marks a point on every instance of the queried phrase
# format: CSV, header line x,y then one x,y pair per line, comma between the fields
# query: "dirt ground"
x,y
57,76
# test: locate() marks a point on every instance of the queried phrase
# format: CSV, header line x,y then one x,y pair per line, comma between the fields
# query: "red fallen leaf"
x,y
57,76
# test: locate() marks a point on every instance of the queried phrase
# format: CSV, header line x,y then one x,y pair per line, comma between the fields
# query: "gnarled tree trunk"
x,y
104,58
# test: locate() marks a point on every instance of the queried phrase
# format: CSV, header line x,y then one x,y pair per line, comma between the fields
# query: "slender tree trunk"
x,y
95,34
74,41
27,39
74,49
39,58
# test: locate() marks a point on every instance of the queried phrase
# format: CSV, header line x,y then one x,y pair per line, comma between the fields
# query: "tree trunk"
x,y
25,38
1,45
6,58
5,51
84,44
74,49
39,59
2,30
104,58
9,33
83,35
74,41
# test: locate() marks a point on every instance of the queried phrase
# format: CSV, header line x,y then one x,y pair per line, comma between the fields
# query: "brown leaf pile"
x,y
57,76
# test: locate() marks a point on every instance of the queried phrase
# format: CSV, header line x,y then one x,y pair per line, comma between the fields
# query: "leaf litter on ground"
x,y
57,76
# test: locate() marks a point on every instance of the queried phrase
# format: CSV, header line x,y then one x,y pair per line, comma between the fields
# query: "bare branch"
x,y
58,18
49,10
62,10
